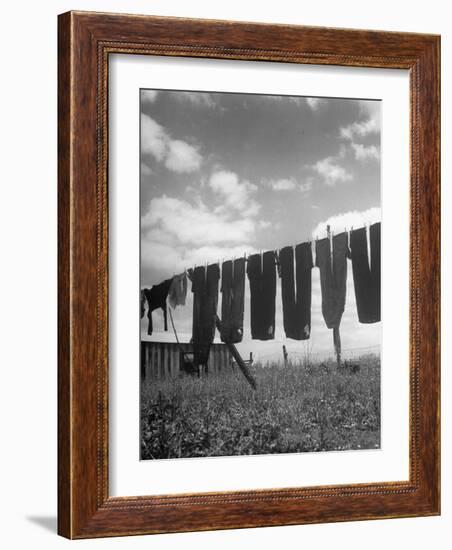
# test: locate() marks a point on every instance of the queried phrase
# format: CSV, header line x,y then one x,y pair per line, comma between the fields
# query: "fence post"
x,y
285,355
337,345
238,359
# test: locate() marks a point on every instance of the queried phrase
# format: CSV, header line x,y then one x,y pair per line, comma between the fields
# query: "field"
x,y
299,408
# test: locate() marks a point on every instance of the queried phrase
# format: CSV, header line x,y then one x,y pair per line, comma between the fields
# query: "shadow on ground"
x,y
49,523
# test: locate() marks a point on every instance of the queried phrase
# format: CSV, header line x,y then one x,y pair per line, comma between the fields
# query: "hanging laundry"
x,y
205,302
178,290
375,266
304,265
333,277
286,263
142,303
232,301
156,298
261,271
366,276
296,300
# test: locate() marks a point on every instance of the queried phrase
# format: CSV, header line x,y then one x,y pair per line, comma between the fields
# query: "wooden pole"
x,y
285,355
337,345
336,333
238,359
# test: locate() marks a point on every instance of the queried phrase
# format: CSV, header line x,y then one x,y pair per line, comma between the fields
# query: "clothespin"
x,y
328,231
277,262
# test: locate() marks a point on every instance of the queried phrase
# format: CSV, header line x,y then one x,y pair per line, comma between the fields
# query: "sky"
x,y
224,174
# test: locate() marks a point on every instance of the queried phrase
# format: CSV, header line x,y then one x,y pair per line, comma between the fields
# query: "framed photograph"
x,y
248,275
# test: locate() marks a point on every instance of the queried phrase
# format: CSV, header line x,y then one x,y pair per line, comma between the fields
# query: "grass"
x,y
298,408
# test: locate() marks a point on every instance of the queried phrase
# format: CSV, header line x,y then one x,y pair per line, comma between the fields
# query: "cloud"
x,y
145,170
306,186
296,100
154,139
178,221
264,224
178,234
283,184
347,220
148,96
363,152
331,171
182,157
236,194
314,102
290,184
179,156
198,99
362,128
175,259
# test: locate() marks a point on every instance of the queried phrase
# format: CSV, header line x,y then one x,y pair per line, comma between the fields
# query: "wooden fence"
x,y
161,359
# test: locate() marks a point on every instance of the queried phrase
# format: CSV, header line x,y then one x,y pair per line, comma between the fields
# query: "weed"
x,y
299,408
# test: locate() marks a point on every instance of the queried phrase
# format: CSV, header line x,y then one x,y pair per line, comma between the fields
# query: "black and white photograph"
x,y
260,316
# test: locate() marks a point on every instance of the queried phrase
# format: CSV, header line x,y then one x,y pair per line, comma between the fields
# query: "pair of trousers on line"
x,y
296,301
367,276
261,272
156,299
205,302
333,277
232,301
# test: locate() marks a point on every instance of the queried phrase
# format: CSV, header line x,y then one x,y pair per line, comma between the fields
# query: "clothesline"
x,y
277,250
309,240
295,289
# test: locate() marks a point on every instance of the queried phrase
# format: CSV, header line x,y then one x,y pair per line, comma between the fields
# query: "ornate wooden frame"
x,y
84,44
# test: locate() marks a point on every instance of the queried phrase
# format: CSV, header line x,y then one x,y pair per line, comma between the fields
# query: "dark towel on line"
x,y
205,301
304,265
296,301
232,302
286,262
333,277
262,277
375,266
142,303
156,298
365,279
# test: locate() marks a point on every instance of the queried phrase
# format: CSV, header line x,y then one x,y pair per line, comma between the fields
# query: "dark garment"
x,y
286,264
142,303
365,279
333,277
205,301
262,277
304,264
232,302
375,266
156,298
296,301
